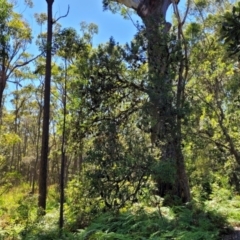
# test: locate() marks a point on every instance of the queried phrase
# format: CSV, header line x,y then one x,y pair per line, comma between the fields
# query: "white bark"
x,y
130,3
160,6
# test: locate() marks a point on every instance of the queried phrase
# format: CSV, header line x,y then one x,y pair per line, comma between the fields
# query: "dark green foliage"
x,y
230,31
165,170
107,89
181,223
118,168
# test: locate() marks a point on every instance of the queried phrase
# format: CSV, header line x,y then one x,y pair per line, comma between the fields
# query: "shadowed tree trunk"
x,y
3,80
43,166
166,124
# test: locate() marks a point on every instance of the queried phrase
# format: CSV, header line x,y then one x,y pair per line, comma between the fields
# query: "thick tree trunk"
x,y
166,124
46,113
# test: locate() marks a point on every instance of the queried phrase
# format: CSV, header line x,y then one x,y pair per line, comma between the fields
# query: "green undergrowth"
x,y
179,222
227,204
196,220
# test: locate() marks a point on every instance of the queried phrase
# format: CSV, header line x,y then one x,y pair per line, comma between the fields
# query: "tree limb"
x,y
22,64
62,16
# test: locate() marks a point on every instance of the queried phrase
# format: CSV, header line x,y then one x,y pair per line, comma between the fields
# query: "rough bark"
x,y
166,124
43,166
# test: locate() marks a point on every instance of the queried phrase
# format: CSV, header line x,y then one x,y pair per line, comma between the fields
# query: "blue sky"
x,y
90,11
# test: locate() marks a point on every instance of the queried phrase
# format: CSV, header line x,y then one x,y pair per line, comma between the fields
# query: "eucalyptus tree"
x,y
8,139
15,38
45,128
213,97
167,70
19,103
48,49
231,35
69,46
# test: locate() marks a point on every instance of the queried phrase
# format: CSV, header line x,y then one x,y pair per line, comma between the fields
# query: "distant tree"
x,y
69,45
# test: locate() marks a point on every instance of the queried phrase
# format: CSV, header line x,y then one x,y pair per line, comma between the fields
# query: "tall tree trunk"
x,y
35,164
166,124
3,79
43,167
63,150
